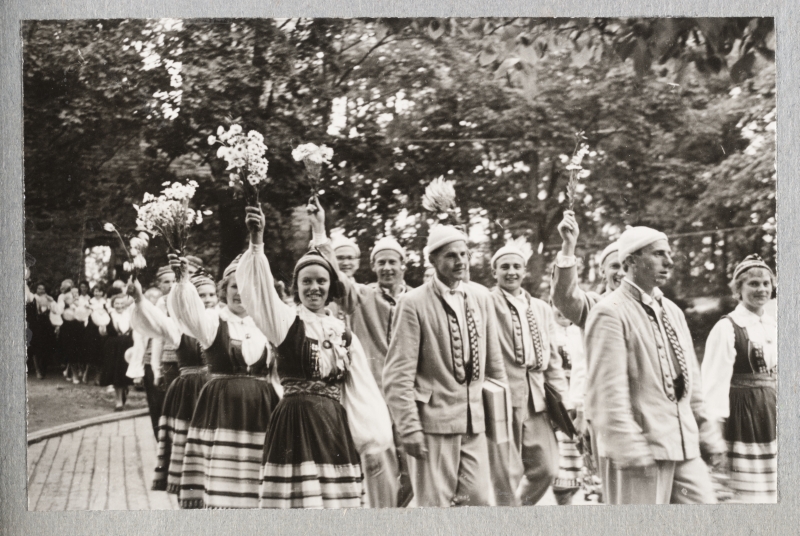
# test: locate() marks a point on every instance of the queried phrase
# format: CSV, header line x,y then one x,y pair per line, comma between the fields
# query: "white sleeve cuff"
x,y
257,248
319,239
565,261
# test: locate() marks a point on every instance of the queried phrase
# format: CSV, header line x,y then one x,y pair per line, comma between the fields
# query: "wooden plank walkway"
x,y
107,466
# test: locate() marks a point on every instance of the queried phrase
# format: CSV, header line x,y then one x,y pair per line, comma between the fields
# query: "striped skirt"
x,y
751,435
224,443
173,425
310,460
570,463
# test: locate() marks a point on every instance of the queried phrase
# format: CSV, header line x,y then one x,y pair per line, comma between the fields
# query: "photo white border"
x,y
783,518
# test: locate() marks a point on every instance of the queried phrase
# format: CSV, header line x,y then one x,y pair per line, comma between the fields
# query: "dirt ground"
x,y
54,401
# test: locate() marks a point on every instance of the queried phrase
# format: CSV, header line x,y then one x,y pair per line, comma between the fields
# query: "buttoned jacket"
x,y
419,378
522,379
629,383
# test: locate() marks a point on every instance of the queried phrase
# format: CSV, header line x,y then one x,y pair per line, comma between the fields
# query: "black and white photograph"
x,y
340,263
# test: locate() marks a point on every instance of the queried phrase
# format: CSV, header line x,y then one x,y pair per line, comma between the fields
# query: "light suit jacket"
x,y
524,380
630,411
418,378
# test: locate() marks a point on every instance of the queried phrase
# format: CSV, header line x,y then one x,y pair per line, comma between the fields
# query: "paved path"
x,y
106,466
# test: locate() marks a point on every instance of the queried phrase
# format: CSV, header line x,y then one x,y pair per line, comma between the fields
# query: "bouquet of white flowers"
x,y
169,215
313,157
245,156
138,245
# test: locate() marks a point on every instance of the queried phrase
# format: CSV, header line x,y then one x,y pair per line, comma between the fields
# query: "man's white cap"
x,y
387,243
635,238
508,249
441,235
611,248
341,240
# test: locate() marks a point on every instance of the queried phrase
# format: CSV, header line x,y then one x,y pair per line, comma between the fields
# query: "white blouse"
x,y
720,355
192,318
571,338
367,413
151,322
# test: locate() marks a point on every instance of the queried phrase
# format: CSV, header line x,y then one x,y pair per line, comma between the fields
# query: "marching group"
x,y
333,393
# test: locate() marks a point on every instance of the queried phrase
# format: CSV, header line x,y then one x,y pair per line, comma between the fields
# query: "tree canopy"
x,y
679,116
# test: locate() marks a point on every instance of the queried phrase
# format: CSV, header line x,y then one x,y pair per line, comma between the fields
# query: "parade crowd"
x,y
332,393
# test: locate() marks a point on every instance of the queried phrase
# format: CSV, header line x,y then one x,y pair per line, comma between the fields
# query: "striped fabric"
x,y
311,485
221,468
754,471
171,446
570,463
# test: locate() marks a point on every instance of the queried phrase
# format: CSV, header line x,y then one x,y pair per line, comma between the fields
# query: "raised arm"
x,y
187,309
570,299
257,286
149,320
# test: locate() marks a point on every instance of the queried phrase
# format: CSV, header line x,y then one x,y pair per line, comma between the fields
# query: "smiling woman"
x,y
739,379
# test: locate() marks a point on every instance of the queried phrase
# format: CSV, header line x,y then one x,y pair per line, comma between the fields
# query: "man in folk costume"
x,y
370,311
643,386
526,330
444,344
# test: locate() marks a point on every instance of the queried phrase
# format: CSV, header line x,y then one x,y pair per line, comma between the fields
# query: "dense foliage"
x,y
679,115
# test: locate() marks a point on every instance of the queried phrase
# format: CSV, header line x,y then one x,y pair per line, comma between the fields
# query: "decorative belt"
x,y
249,372
312,387
186,371
758,379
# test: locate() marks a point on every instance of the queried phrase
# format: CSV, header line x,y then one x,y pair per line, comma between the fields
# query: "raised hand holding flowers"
x,y
169,215
244,155
313,157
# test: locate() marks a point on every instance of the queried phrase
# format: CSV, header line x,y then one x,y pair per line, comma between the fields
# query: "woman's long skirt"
x,y
114,364
224,443
570,464
751,435
71,340
173,427
310,459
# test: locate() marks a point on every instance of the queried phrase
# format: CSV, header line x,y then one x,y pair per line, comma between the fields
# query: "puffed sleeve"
x,y
136,364
100,316
259,297
367,414
717,369
192,317
152,322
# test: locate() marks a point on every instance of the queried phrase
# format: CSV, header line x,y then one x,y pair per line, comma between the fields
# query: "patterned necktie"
x,y
536,337
678,351
474,363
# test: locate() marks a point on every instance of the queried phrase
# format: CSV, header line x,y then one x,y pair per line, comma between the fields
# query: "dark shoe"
x,y
119,408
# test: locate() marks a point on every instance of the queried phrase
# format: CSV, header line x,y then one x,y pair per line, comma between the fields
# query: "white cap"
x,y
611,248
635,238
508,249
341,240
387,243
441,235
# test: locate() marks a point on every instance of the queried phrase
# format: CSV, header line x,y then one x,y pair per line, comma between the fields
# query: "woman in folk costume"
x,y
332,410
182,394
569,341
222,457
43,338
95,341
71,338
739,380
116,325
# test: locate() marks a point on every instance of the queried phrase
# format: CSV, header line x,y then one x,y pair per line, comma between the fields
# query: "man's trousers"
x,y
455,472
666,482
